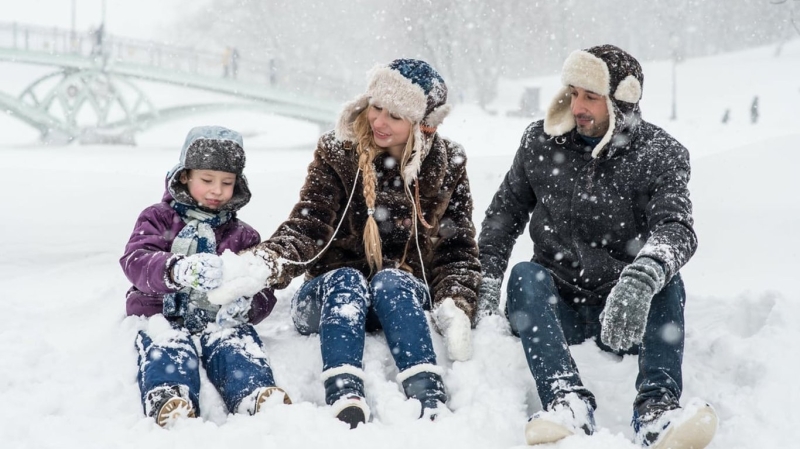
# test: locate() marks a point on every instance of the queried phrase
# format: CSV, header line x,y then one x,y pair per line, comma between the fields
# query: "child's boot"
x,y
255,401
167,405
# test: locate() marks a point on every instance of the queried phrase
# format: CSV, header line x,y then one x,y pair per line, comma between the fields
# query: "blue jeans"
x,y
342,306
231,368
547,325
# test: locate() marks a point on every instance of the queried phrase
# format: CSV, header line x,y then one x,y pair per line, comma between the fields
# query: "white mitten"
x,y
234,313
243,275
455,327
201,271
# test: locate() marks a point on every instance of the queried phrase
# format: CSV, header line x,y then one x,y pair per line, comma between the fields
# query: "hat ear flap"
x,y
344,129
412,168
437,116
559,119
629,90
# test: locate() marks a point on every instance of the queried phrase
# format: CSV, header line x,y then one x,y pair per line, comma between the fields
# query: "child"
x,y
172,260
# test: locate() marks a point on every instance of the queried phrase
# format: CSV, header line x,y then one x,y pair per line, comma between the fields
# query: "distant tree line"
x,y
472,42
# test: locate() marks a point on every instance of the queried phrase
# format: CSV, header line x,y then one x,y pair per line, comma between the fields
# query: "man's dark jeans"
x,y
547,325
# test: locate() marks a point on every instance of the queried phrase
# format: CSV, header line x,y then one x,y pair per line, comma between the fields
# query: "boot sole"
x,y
262,398
694,433
352,415
174,410
541,431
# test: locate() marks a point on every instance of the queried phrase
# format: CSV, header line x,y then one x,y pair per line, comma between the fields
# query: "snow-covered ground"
x,y
68,365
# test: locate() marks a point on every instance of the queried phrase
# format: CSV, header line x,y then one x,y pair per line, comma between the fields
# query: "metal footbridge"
x,y
92,95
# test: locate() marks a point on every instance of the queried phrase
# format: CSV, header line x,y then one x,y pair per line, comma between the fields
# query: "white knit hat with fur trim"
x,y
411,89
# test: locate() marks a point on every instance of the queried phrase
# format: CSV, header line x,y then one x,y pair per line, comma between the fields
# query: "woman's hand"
x,y
455,327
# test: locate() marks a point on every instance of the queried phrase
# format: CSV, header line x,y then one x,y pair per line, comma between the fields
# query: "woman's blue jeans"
x,y
342,305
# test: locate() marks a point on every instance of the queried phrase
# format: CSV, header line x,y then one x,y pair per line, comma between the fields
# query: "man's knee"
x,y
530,293
529,283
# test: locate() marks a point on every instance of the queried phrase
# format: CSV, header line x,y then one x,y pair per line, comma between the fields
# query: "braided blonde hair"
x,y
367,150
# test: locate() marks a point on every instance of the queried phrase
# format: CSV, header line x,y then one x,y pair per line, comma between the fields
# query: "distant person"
x,y
97,43
726,116
754,110
611,222
226,62
383,232
234,62
172,260
273,72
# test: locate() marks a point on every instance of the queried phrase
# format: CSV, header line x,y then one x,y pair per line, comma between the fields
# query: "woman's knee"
x,y
392,278
393,283
345,279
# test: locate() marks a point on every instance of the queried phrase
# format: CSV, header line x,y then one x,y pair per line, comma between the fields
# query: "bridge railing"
x,y
104,49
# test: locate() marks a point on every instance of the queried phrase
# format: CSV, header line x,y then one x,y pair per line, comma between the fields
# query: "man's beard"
x,y
594,129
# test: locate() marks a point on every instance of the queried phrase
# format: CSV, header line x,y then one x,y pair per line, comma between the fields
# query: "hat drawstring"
x,y
336,231
418,208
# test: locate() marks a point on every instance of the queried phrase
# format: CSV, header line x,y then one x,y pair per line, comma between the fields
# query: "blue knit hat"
x,y
409,88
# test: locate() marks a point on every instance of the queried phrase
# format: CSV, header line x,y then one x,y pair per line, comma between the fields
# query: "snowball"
x,y
242,275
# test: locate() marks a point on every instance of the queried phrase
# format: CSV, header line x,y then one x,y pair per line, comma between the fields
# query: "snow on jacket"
x,y
590,217
449,250
148,260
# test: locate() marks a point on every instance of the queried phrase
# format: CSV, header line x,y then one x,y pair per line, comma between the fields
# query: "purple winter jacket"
x,y
148,259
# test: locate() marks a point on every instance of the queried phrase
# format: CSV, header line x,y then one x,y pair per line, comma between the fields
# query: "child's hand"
x,y
234,313
242,275
201,271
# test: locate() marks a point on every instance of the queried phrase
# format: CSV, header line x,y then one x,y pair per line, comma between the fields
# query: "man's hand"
x,y
489,297
628,304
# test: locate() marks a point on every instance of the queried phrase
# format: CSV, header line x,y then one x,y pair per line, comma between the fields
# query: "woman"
x,y
383,231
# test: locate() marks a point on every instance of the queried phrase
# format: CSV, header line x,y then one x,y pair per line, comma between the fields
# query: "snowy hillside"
x,y
68,365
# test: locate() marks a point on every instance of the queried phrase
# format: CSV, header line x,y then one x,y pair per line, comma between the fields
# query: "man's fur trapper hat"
x,y
411,89
605,70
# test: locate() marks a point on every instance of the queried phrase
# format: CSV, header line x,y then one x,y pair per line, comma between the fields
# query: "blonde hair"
x,y
367,150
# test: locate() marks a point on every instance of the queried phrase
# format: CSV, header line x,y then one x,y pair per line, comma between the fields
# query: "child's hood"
x,y
211,148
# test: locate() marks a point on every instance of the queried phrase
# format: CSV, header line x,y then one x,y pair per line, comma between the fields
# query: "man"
x,y
611,224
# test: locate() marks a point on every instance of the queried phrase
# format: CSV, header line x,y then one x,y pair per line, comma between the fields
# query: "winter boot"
x,y
566,415
424,383
661,423
167,405
344,392
255,401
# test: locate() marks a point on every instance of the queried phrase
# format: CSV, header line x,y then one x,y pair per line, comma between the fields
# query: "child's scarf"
x,y
196,237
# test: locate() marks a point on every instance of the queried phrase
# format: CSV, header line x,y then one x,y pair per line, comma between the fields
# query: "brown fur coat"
x,y
449,250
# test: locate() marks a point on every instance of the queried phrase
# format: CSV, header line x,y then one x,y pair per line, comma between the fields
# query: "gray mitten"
x,y
489,297
628,304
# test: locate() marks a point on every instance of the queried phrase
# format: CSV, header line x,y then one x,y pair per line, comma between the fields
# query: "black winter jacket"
x,y
589,218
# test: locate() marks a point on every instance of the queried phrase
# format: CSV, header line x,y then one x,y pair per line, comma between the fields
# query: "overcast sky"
x,y
142,19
